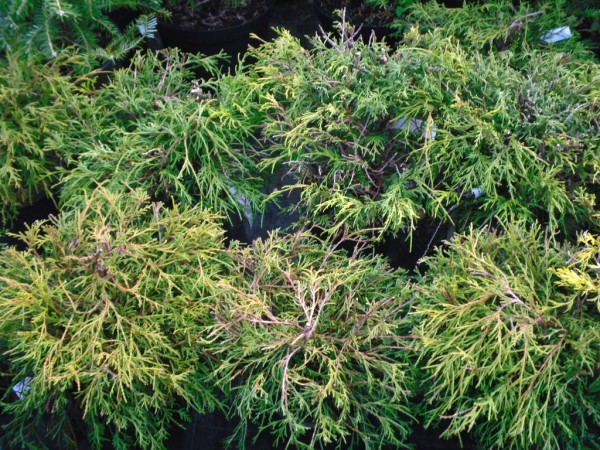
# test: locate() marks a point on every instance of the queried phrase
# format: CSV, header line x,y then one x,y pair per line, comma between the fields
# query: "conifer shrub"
x,y
516,144
103,319
31,108
509,327
380,140
315,347
154,127
501,25
330,113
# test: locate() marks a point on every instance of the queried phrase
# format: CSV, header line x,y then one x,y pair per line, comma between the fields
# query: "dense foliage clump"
x,y
505,25
153,127
315,345
103,320
380,139
127,312
509,328
32,107
516,144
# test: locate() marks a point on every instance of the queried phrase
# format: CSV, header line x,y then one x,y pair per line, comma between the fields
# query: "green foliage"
x,y
587,13
316,346
329,112
400,7
378,139
105,313
31,107
582,276
378,13
49,26
154,128
515,144
584,9
512,349
499,25
123,314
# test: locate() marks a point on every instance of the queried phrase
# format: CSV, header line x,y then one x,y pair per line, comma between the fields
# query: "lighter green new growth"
x,y
582,276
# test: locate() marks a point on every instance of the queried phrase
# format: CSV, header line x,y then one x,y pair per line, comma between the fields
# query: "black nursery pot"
x,y
452,3
327,20
460,3
122,17
105,71
233,40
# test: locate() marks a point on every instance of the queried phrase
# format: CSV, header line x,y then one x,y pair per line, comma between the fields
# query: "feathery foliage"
x,y
154,128
513,144
31,107
315,347
103,317
500,25
379,139
512,349
582,275
329,114
124,313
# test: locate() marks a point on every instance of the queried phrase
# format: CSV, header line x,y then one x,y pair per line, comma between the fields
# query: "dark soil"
x,y
215,14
